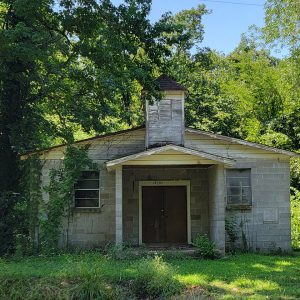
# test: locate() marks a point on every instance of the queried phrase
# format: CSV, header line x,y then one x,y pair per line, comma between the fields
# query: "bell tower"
x,y
165,118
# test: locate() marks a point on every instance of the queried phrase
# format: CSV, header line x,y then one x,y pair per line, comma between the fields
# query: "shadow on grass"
x,y
239,276
244,275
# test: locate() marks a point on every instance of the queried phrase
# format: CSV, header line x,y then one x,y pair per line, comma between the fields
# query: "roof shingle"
x,y
167,84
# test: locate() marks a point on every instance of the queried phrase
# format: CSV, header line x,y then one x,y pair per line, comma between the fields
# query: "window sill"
x,y
239,207
87,209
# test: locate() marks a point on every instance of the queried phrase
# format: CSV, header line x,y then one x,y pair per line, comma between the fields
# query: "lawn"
x,y
95,276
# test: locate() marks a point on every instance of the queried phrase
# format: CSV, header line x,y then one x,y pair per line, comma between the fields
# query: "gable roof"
x,y
167,84
84,140
239,141
187,129
159,150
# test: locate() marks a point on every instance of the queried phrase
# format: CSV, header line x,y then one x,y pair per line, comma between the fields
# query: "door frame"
x,y
185,183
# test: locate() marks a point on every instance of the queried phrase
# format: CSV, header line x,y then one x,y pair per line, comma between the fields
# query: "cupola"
x,y
165,117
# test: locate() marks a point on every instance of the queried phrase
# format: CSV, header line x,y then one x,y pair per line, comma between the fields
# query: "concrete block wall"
x,y
93,227
267,223
199,197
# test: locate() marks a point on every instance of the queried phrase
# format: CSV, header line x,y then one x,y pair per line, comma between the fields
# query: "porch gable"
x,y
170,155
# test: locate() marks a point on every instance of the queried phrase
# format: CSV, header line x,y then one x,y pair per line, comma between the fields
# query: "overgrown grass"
x,y
94,276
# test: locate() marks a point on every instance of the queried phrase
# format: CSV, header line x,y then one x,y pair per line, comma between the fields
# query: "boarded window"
x,y
238,183
87,190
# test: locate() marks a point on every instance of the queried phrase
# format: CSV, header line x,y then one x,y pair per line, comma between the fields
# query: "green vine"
x,y
60,191
231,228
28,206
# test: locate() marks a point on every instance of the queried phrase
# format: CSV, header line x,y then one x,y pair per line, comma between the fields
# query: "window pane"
x,y
234,191
86,202
87,184
234,199
247,192
87,189
89,175
238,181
238,172
246,200
86,194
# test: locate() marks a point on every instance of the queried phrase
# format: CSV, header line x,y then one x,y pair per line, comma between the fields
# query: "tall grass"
x,y
155,279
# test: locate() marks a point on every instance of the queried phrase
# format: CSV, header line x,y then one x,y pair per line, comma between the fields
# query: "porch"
x,y
165,199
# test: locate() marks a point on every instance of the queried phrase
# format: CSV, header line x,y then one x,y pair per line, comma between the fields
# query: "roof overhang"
x,y
169,155
240,142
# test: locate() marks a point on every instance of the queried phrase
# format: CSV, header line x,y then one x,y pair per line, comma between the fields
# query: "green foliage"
x,y
235,277
282,22
231,228
155,279
60,191
20,211
93,286
295,215
33,289
9,221
205,247
32,197
58,56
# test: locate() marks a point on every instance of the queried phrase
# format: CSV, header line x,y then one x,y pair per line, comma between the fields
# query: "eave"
x,y
159,156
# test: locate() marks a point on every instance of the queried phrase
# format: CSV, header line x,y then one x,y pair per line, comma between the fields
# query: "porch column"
x,y
217,206
119,205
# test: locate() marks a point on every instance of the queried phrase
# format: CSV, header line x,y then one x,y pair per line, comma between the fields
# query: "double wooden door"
x,y
164,215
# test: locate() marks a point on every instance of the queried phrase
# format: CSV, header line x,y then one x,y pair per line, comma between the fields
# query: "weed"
x,y
205,247
155,278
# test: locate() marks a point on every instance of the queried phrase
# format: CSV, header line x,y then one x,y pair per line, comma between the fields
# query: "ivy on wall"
x,y
61,195
41,222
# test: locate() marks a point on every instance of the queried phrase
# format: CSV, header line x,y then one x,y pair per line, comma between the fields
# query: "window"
x,y
87,190
238,183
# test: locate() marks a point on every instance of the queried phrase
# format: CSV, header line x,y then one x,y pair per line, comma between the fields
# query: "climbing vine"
x,y
231,229
60,191
32,199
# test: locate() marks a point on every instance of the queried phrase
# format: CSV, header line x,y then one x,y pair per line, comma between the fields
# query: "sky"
x,y
224,26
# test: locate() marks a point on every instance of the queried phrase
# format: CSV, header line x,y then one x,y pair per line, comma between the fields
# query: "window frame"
x,y
239,205
99,198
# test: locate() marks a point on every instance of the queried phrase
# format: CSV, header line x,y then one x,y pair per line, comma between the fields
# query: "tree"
x,y
72,65
282,23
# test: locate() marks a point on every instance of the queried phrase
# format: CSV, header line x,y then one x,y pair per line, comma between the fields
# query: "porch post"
x,y
217,206
119,205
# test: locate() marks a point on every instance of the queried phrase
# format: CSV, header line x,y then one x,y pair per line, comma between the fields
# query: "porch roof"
x,y
170,155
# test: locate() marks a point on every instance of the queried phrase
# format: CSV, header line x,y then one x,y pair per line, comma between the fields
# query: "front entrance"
x,y
164,214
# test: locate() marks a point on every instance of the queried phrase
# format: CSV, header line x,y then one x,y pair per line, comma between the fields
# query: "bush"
x,y
205,247
93,287
87,287
155,279
33,289
231,228
295,218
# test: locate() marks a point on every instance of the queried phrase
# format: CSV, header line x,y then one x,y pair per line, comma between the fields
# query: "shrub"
x,y
231,228
205,247
93,287
155,279
295,218
33,289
